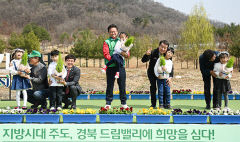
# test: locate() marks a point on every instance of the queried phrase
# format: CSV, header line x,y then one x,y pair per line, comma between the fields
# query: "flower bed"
x,y
225,116
190,116
116,115
153,116
42,116
11,116
79,116
182,91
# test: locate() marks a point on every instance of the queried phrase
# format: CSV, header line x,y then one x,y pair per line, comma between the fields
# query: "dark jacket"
x,y
73,78
39,77
206,66
153,57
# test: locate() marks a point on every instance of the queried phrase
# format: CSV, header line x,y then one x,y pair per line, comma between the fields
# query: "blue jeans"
x,y
163,90
37,97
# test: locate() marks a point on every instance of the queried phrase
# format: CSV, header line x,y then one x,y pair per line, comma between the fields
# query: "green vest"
x,y
111,44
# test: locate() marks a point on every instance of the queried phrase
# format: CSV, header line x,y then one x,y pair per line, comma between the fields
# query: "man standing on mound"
x,y
108,49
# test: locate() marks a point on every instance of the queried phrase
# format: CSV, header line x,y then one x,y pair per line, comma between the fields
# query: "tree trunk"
x,y
94,62
64,49
86,61
187,64
196,63
137,61
80,61
238,64
100,63
128,62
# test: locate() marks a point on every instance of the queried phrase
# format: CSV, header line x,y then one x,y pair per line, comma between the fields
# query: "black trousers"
x,y
153,88
207,91
222,88
56,94
73,93
110,73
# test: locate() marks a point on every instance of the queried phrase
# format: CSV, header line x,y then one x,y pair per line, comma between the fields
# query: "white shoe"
x,y
217,108
226,108
59,108
104,69
125,106
117,75
107,107
52,108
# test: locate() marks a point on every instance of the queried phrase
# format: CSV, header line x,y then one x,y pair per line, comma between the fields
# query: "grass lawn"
x,y
137,104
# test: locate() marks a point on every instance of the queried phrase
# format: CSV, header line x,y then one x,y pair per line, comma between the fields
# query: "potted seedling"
x,y
24,64
128,44
59,68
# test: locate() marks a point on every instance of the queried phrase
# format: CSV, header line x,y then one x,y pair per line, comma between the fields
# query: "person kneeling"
x,y
72,87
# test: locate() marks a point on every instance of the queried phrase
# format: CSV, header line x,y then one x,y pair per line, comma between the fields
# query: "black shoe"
x,y
73,107
34,106
44,105
65,106
161,106
154,107
168,107
208,107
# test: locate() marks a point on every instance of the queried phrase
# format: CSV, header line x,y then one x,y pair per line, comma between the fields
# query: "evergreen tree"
x,y
84,45
16,41
64,37
2,45
39,31
31,42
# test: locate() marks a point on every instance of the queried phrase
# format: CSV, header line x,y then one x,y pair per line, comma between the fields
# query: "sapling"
x,y
229,66
24,64
128,44
230,62
129,41
162,61
59,67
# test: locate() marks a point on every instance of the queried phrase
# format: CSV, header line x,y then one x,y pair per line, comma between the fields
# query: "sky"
x,y
227,11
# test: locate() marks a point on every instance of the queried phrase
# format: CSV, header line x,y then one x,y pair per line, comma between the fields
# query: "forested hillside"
x,y
58,16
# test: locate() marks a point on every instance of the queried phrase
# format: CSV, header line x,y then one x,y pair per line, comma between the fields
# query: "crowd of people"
x,y
47,82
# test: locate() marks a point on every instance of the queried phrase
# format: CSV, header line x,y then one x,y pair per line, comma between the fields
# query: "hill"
x,y
58,16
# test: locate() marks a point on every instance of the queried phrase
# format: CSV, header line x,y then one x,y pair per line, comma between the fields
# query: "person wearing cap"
x,y
38,77
206,62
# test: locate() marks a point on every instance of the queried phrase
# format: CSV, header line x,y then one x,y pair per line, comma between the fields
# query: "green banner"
x,y
119,132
